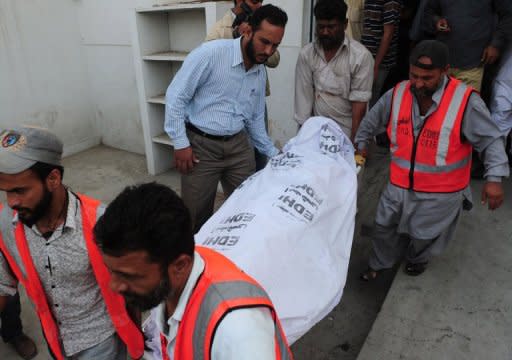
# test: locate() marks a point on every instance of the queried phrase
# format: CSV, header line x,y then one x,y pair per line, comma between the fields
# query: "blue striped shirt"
x,y
214,92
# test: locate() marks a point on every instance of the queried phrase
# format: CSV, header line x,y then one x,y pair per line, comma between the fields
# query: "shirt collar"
x,y
70,215
436,97
197,270
238,58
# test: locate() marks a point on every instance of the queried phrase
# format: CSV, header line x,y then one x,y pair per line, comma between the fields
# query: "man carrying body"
x,y
218,94
47,245
204,307
468,29
333,77
433,122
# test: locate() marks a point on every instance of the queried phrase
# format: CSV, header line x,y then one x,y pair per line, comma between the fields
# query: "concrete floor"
x,y
461,307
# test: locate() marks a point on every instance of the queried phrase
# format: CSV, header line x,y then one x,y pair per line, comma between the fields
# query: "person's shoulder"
x,y
358,47
307,50
217,45
212,48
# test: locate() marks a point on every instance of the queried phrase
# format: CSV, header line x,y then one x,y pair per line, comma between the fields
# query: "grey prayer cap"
x,y
22,147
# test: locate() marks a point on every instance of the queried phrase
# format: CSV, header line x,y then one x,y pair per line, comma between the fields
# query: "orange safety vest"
x,y
129,333
221,288
437,160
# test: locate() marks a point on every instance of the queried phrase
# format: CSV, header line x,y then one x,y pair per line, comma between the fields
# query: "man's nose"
x,y
269,50
13,200
117,285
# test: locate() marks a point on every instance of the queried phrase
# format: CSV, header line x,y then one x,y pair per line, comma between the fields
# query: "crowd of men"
x,y
91,269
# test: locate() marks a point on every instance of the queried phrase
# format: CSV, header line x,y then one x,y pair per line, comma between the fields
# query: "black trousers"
x,y
11,321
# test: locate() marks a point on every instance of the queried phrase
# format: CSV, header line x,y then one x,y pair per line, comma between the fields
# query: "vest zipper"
x,y
413,152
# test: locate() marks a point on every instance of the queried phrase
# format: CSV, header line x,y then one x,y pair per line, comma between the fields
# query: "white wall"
x,y
43,77
68,65
105,28
282,78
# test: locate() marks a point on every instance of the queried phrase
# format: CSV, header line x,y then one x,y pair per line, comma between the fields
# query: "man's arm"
x,y
256,125
191,75
358,111
375,121
8,283
390,17
221,29
502,35
245,334
361,79
304,89
485,137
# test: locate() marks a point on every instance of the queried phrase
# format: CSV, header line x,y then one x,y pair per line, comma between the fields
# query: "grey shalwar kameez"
x,y
427,219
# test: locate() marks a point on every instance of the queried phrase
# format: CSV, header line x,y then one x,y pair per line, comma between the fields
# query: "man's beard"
x,y
249,50
330,42
150,300
424,92
28,216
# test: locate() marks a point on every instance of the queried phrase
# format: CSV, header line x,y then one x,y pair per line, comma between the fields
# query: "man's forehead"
x,y
333,21
132,259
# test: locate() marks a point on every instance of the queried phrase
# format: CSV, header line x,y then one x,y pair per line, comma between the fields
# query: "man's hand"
x,y
185,159
490,55
362,152
493,194
442,26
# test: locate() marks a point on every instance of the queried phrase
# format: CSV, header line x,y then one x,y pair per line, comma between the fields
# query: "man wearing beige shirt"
x,y
333,77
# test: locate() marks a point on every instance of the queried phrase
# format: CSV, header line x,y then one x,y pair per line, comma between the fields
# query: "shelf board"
x,y
170,7
159,99
163,139
166,56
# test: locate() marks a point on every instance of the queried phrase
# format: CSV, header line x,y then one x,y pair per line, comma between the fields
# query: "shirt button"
x,y
56,305
53,286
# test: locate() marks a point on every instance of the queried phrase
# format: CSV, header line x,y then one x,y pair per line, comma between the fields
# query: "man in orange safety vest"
x,y
203,306
47,245
433,122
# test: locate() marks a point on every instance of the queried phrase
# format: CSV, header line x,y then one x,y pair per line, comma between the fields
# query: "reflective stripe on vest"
x,y
436,160
221,288
126,329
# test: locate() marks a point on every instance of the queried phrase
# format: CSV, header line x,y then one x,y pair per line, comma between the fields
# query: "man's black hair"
x,y
273,14
42,170
149,217
331,10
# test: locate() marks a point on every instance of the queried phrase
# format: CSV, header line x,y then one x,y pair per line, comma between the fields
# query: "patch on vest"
x,y
429,139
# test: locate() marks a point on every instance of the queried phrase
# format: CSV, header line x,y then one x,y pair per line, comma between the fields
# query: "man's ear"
x,y
53,180
179,270
245,30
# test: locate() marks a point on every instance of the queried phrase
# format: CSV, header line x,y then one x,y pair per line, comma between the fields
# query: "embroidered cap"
x,y
435,50
22,147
